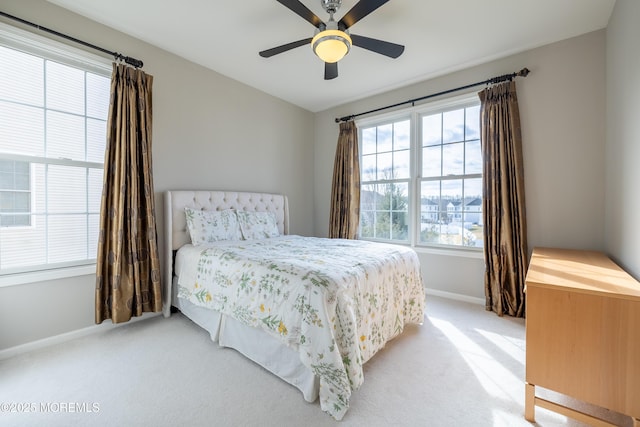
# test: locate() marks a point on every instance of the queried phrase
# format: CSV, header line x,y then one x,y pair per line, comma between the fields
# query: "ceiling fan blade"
x,y
391,50
330,70
285,47
302,10
359,11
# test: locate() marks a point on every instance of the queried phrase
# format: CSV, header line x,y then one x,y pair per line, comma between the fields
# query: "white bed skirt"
x,y
254,344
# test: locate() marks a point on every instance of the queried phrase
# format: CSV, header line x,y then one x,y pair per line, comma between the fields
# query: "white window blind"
x,y
54,103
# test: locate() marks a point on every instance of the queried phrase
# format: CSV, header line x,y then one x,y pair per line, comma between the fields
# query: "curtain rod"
x,y
522,73
118,56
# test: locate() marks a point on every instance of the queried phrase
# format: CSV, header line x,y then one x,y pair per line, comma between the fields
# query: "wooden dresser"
x,y
582,333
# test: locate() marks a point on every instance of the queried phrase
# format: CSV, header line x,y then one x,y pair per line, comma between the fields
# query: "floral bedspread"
x,y
337,302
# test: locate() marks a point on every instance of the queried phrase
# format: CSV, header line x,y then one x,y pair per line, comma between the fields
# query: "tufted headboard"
x,y
175,221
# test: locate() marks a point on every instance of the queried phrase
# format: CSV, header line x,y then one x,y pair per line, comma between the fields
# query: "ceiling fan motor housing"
x,y
331,6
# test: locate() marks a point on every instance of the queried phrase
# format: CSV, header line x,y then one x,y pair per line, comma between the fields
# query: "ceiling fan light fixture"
x,y
331,45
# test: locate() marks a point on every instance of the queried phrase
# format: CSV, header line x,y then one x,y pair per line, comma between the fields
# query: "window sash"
x,y
416,178
63,228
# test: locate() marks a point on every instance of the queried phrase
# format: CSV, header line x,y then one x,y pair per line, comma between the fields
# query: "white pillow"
x,y
212,226
257,225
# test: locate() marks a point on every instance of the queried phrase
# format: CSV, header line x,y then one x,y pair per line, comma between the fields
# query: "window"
x,y
422,176
53,109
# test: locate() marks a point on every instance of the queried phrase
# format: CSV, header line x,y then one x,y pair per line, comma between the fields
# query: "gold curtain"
x,y
344,216
128,266
505,235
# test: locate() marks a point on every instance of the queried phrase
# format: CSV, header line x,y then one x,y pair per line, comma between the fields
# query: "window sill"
x,y
464,253
433,250
45,275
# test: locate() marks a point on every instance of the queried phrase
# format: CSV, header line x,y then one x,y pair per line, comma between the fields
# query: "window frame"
x,y
415,114
15,38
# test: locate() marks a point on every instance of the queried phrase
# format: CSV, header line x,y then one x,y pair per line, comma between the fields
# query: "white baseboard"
x,y
67,336
79,333
458,297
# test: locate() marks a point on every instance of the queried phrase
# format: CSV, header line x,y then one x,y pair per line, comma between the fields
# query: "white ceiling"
x,y
440,36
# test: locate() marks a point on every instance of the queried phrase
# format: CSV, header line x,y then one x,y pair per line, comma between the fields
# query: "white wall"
x,y
212,132
623,136
209,132
563,130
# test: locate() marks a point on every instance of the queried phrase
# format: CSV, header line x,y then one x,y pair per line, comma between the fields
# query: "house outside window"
x,y
421,180
15,194
54,103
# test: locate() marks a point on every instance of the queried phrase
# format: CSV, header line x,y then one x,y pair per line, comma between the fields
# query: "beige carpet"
x,y
463,367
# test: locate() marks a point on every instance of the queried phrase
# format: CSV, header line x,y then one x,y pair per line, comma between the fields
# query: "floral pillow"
x,y
212,226
257,225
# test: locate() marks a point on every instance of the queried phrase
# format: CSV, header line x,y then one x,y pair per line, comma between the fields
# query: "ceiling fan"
x,y
332,40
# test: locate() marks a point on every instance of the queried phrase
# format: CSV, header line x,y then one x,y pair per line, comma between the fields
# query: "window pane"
x,y
453,126
22,130
452,189
367,223
430,232
473,221
401,135
67,238
432,161
401,161
96,140
20,247
473,157
95,190
385,134
65,136
432,130
473,188
98,91
368,197
368,141
400,226
368,167
383,197
383,221
473,123
430,201
65,88
67,189
385,166
21,77
453,159
450,234
400,214
399,196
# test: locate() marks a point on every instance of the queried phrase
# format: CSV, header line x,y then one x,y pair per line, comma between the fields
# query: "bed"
x,y
310,310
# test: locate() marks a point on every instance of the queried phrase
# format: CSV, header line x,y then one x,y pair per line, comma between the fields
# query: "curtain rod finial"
x,y
524,72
